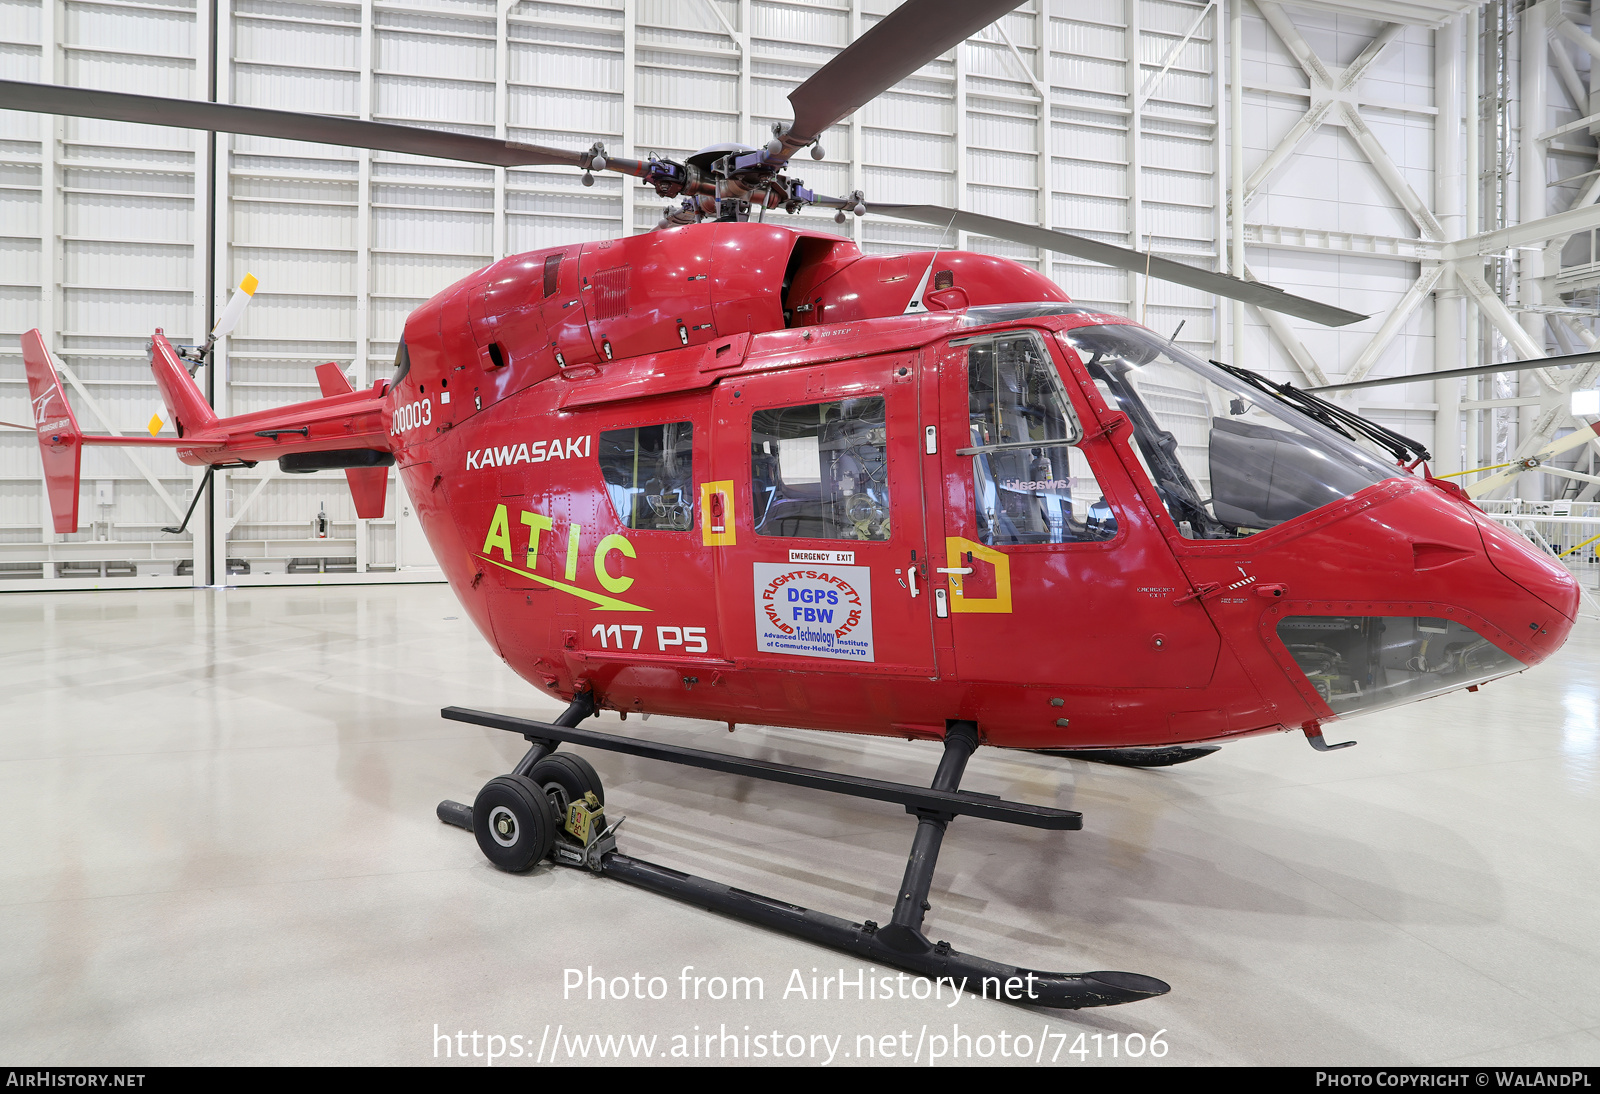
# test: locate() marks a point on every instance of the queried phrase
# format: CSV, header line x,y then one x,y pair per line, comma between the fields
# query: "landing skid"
x,y
1137,757
901,942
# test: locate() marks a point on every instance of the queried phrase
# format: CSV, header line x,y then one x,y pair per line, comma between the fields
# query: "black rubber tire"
x,y
513,822
565,778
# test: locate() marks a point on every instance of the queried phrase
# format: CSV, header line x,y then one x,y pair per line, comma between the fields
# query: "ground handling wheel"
x,y
514,822
566,778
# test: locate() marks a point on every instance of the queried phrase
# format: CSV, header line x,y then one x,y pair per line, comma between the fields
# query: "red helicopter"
x,y
738,471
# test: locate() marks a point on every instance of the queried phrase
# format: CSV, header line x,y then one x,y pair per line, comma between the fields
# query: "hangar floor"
x,y
218,844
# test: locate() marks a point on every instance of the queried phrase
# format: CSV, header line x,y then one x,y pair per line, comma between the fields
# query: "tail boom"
x,y
347,424
342,422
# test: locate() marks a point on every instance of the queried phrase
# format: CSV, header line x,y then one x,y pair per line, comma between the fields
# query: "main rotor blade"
x,y
116,106
903,41
1566,360
1233,288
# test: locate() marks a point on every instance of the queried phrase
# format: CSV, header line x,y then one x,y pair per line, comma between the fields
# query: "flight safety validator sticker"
x,y
814,611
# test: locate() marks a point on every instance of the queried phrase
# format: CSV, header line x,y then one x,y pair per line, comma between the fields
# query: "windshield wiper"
x,y
1160,448
1407,452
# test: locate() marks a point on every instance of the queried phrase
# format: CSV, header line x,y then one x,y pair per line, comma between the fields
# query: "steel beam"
x,y
1291,342
1538,230
1402,310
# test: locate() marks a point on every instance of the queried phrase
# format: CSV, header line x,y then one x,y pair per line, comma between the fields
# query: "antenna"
x,y
915,302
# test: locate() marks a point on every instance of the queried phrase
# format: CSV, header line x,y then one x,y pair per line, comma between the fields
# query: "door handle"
x,y
911,575
954,570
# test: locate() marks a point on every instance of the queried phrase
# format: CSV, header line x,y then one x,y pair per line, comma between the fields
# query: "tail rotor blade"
x,y
234,310
1123,258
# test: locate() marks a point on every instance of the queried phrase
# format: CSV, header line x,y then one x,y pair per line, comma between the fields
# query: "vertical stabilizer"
x,y
185,401
369,486
60,439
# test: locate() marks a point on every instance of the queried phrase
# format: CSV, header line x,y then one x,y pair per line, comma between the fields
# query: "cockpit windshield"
x,y
1228,458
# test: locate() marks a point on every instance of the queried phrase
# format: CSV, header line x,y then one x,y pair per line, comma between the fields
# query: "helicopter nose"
x,y
1363,630
1541,576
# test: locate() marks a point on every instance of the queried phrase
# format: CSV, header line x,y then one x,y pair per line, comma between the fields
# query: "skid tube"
x,y
900,943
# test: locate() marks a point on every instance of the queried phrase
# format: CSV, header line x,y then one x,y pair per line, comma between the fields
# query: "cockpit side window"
x,y
1030,483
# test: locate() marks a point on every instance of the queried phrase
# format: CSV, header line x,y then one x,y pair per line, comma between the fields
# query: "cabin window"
x,y
649,473
1030,484
821,471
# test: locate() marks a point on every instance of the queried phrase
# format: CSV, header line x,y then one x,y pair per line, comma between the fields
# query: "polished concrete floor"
x,y
218,844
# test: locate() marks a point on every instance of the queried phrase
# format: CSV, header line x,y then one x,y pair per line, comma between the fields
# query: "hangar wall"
x,y
109,230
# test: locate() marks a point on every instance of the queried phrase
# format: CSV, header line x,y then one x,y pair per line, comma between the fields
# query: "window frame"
x,y
1063,396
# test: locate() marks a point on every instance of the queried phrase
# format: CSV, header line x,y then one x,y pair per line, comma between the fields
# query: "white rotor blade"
x,y
1544,455
231,314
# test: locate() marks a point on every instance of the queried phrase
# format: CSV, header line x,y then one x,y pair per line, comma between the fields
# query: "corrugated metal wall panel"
x,y
114,216
19,261
418,276
896,109
1105,38
316,91
683,129
97,262
469,105
458,49
797,23
19,213
313,45
19,310
131,30
597,65
915,151
311,271
296,315
565,111
267,224
912,187
145,74
709,91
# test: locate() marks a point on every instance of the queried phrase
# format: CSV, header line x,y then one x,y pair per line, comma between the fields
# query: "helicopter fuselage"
x,y
738,472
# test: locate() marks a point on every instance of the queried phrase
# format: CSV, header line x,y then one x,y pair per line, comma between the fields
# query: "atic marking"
x,y
498,541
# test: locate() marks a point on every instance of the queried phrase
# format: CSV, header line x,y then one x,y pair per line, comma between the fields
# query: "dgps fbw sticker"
x,y
814,611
